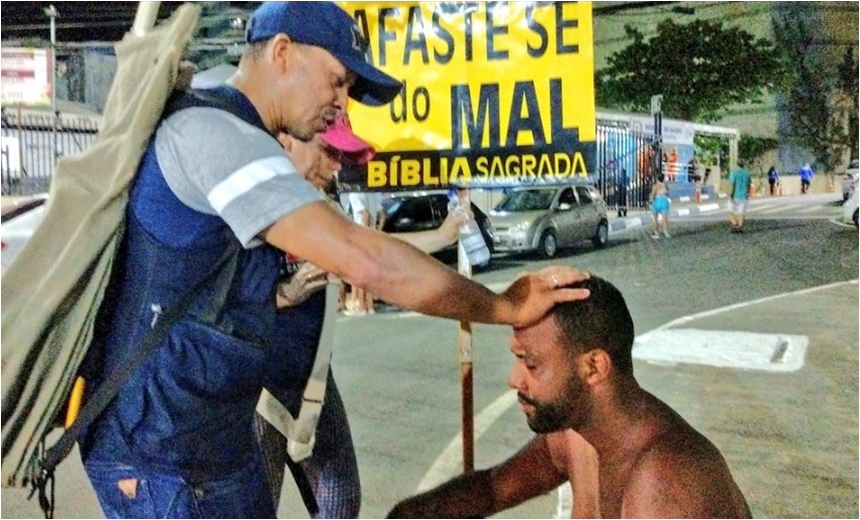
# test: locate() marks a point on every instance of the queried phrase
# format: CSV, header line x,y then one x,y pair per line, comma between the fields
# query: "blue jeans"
x,y
126,492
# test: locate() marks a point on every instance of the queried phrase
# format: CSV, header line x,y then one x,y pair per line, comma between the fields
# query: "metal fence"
x,y
32,144
626,162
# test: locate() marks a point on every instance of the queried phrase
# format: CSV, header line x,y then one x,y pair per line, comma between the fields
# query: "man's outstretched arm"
x,y
402,275
526,475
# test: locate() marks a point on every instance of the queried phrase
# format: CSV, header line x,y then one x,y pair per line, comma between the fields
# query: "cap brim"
x,y
372,86
353,147
361,157
345,141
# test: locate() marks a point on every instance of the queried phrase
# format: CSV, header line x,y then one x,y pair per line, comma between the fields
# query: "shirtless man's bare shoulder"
x,y
681,474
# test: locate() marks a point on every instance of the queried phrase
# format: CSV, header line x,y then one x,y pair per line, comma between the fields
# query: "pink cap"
x,y
339,135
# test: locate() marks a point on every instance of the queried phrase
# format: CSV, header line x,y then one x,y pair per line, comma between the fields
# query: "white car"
x,y
849,207
19,221
849,178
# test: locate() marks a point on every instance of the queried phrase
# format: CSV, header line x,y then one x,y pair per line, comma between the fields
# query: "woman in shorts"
x,y
660,206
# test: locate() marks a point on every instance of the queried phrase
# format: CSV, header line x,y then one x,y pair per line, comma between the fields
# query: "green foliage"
x,y
715,150
700,68
751,149
821,99
35,43
848,86
711,150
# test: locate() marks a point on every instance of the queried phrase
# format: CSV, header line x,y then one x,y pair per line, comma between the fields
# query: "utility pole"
x,y
51,12
657,112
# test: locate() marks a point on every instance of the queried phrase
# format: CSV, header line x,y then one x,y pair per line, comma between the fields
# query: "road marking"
x,y
451,458
765,208
810,209
722,348
683,212
786,208
450,462
839,222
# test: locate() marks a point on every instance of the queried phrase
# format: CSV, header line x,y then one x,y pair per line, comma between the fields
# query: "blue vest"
x,y
189,408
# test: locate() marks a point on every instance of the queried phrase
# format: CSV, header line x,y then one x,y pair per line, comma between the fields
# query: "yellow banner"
x,y
495,94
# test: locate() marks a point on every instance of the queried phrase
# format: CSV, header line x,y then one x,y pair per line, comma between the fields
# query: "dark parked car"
x,y
426,211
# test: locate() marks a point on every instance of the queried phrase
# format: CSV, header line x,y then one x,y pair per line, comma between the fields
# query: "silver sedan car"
x,y
547,218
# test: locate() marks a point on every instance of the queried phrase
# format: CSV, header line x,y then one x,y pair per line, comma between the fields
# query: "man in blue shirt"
x,y
805,178
773,180
741,181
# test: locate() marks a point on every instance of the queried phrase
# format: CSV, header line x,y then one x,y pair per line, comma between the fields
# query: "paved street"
x,y
814,206
790,437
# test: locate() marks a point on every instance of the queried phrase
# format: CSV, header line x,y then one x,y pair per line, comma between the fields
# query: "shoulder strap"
x,y
221,276
224,97
300,430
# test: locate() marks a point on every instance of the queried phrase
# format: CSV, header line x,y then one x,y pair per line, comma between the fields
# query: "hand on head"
x,y
533,295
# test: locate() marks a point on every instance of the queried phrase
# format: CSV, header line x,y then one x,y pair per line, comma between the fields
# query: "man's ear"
x,y
595,366
286,141
280,51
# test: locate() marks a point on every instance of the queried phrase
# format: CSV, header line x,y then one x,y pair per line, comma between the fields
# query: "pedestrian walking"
x,y
659,199
773,180
806,174
741,182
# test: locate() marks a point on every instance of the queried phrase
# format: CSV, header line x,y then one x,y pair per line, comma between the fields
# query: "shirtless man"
x,y
574,373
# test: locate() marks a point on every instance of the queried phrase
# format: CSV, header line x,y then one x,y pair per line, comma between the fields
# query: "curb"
x,y
622,223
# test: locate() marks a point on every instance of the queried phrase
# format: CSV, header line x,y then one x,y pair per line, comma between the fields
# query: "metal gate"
x,y
626,165
31,145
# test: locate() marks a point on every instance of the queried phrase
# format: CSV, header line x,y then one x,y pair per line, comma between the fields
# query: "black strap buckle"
x,y
44,484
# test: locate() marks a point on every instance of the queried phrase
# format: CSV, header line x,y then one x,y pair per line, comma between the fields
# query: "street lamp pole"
x,y
657,112
51,12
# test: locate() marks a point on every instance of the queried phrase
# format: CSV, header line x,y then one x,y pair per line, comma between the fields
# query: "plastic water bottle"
x,y
470,235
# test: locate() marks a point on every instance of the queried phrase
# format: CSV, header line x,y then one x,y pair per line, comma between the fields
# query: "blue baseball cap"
x,y
326,25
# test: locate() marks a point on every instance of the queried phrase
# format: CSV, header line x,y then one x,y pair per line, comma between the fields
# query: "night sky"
x,y
77,21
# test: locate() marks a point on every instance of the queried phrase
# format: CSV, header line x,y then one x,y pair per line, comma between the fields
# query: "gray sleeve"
x,y
218,164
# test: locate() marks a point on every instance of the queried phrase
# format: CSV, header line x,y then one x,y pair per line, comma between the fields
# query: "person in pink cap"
x,y
328,478
366,208
340,137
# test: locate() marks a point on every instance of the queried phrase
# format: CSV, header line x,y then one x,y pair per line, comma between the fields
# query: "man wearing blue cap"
x,y
214,202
